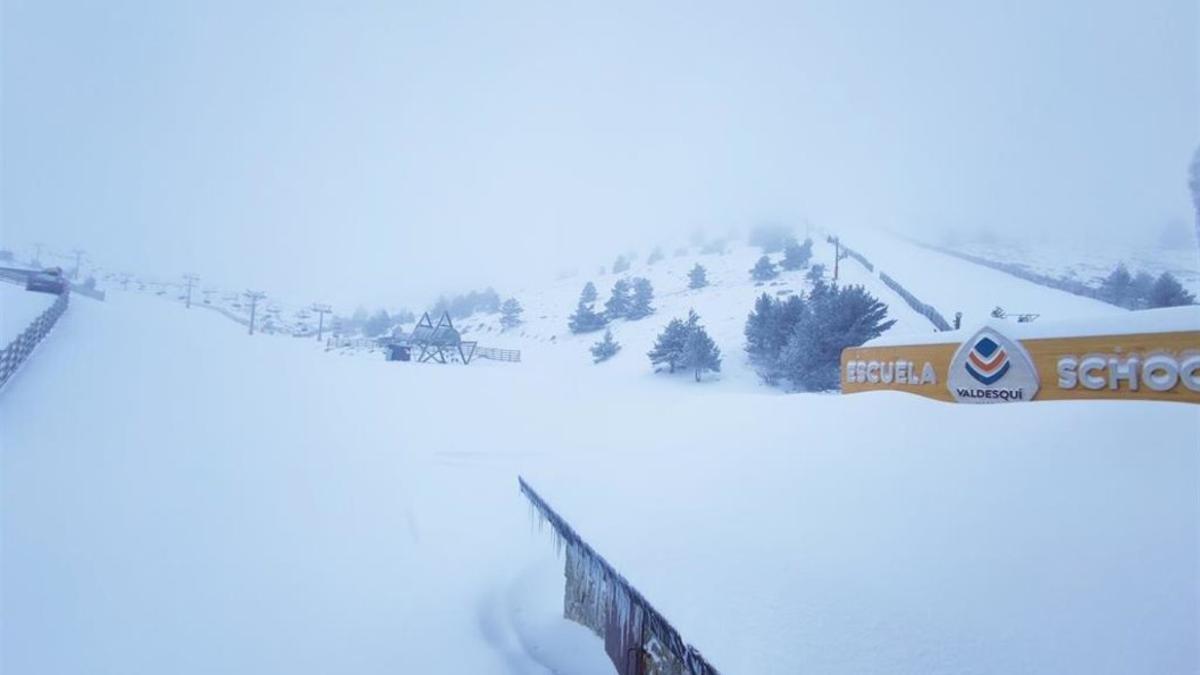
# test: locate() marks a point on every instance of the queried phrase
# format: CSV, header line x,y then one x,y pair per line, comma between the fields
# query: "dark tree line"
x,y
460,306
1142,291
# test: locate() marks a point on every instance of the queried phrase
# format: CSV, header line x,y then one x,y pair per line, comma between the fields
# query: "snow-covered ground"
x,y
954,285
18,308
1090,261
195,500
722,306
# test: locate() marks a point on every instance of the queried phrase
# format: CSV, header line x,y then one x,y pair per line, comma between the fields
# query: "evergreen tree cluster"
x,y
377,324
460,306
816,273
801,339
698,277
510,313
606,348
1143,291
714,247
586,319
763,270
621,264
796,255
655,255
630,300
686,345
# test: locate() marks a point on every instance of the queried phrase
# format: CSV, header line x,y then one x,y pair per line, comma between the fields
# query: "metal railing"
x,y
23,345
510,355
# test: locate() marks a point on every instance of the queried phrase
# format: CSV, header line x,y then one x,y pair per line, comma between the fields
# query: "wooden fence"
x,y
23,345
510,355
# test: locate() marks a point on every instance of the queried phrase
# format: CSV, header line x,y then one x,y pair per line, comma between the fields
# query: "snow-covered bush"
x,y
763,270
606,348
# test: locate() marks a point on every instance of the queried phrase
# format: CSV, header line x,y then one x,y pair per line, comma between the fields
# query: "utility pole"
x,y
191,279
322,310
253,297
837,255
78,259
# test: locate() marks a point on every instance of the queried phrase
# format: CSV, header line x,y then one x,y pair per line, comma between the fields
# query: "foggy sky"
x,y
384,152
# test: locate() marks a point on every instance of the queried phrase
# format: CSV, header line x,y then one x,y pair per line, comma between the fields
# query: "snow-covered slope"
x,y
1090,261
722,306
954,285
197,501
19,307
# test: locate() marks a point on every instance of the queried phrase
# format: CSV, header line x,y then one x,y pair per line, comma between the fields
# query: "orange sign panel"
x,y
989,367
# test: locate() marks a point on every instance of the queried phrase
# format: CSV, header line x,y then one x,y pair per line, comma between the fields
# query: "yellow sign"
x,y
989,367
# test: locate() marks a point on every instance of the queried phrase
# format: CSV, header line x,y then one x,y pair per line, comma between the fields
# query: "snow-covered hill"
x,y
19,307
198,501
723,306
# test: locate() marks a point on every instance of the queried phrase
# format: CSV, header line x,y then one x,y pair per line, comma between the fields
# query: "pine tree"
x,y
510,313
796,256
378,324
621,264
758,330
655,255
1117,287
698,277
588,296
669,345
1140,290
700,353
586,319
1168,292
643,295
606,348
767,330
840,318
815,273
763,270
619,301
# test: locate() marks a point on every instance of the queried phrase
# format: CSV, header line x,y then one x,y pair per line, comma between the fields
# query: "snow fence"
x,y
23,345
637,638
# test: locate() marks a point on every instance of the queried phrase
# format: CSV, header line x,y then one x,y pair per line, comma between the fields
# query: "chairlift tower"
x,y
253,297
191,280
322,310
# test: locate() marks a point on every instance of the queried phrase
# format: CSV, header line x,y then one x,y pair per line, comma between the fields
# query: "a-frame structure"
x,y
440,342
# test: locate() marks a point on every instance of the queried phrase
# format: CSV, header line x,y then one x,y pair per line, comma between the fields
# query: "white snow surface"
x,y
954,285
18,308
1164,320
197,501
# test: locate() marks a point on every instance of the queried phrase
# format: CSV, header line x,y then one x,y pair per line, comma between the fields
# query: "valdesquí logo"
x,y
990,368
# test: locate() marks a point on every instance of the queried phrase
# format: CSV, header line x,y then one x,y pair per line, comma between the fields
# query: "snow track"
x,y
952,284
